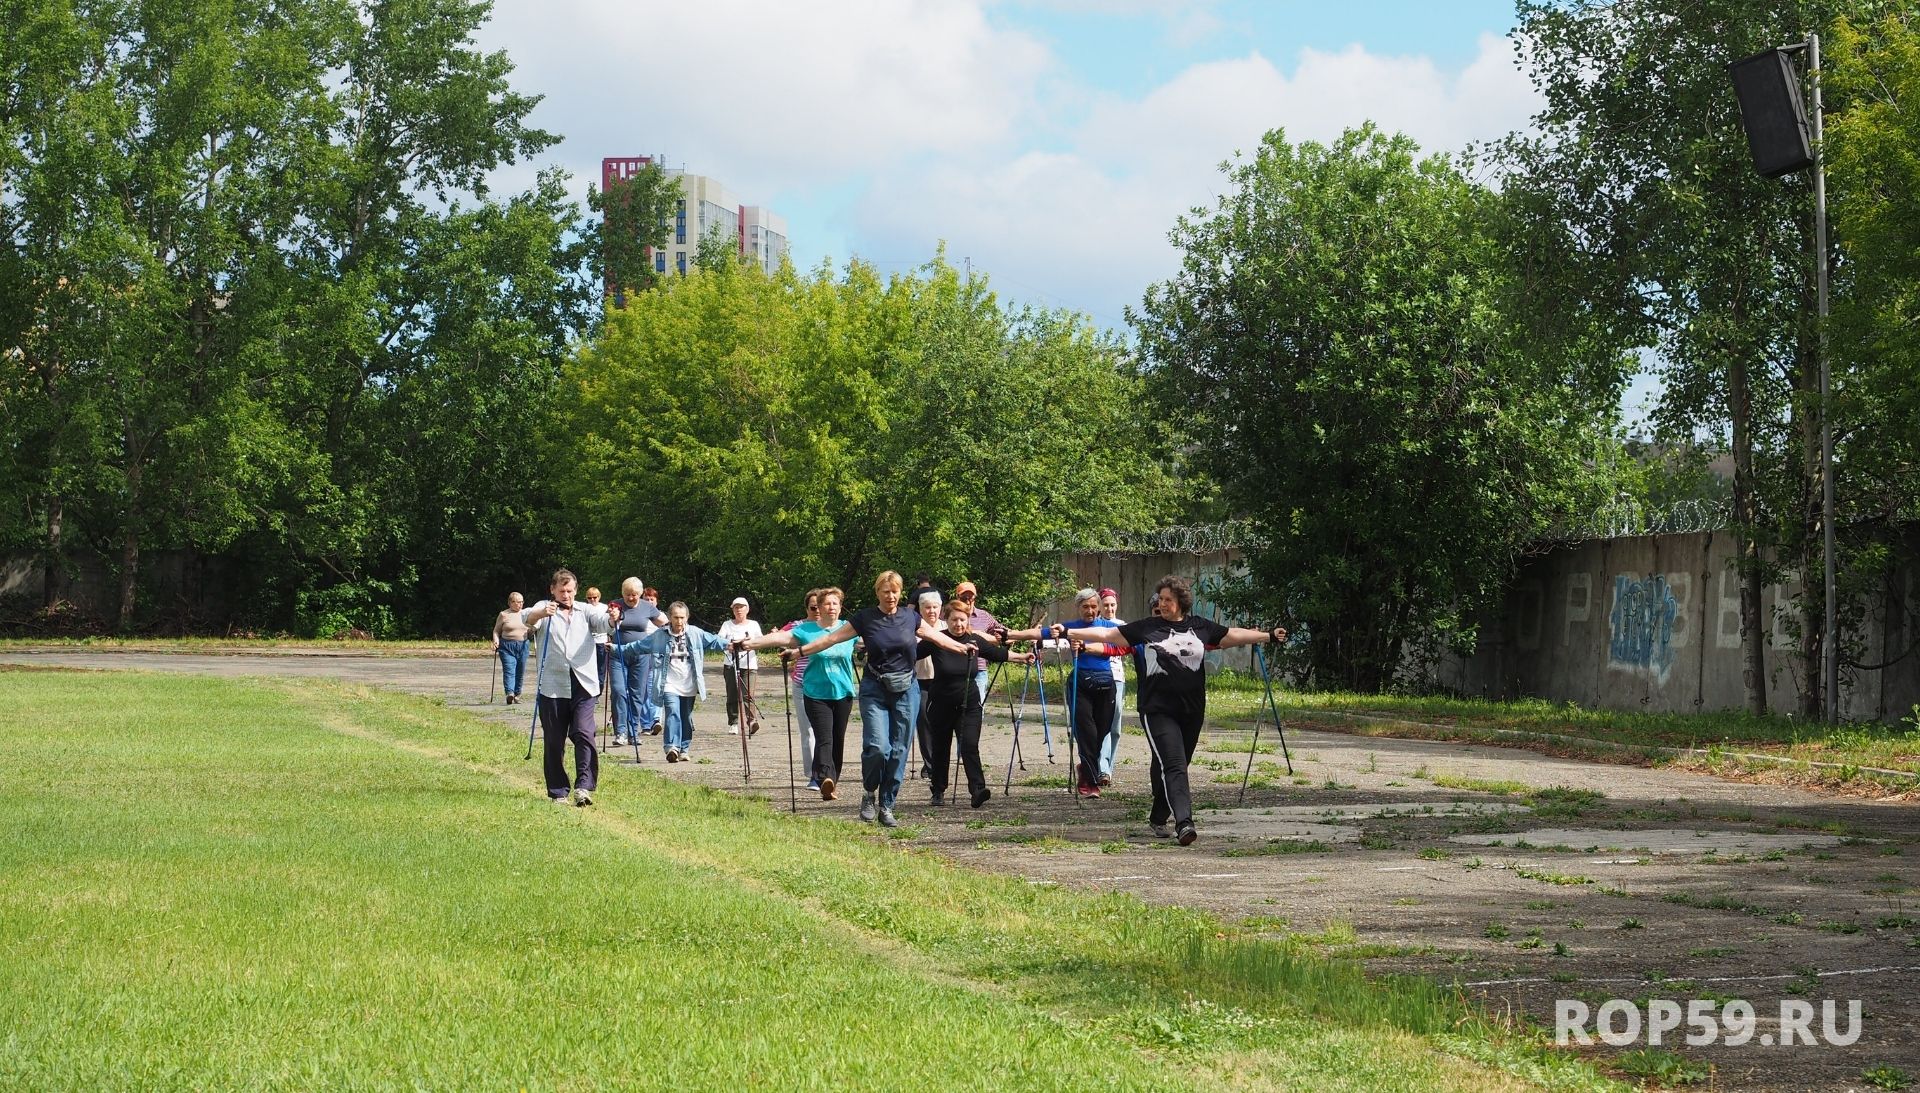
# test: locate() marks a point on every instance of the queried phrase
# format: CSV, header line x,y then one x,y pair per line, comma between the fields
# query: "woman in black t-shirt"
x,y
953,704
1169,650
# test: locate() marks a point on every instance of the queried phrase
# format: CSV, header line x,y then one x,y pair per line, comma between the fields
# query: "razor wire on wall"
x,y
1180,539
1626,519
1616,520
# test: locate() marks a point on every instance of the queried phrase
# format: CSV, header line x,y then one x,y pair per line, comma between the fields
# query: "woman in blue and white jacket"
x,y
678,651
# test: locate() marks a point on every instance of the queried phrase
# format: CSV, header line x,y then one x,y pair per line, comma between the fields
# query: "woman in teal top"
x,y
826,688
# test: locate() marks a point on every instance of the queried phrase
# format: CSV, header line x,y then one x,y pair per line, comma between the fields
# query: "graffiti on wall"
x,y
1644,609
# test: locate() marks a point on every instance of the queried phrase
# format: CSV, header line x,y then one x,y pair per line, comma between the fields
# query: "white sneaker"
x,y
733,730
582,797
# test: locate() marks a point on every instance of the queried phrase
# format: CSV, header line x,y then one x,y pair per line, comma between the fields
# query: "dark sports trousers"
x,y
563,719
945,720
920,731
828,716
1093,698
1172,742
735,715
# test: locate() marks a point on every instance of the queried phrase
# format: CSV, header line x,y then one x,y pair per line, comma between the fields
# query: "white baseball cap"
x,y
738,601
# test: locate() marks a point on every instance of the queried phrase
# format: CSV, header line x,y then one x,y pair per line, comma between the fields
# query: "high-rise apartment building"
x,y
706,207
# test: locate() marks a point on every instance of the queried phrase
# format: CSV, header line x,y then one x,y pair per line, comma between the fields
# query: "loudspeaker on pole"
x,y
1772,113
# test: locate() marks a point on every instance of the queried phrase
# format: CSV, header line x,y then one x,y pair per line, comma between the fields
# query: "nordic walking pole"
x,y
1017,713
954,778
739,681
492,663
546,635
1073,737
1046,726
1253,749
646,680
1275,707
786,693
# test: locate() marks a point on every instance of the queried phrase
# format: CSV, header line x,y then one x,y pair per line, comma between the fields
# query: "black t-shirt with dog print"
x,y
1171,660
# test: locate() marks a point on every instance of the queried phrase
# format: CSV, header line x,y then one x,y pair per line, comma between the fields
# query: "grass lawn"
x,y
212,883
1851,749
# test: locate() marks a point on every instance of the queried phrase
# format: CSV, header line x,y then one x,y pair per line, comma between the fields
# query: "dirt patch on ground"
x,y
1623,883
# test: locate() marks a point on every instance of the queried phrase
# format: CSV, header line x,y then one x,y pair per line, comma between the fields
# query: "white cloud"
x,y
771,96
1086,225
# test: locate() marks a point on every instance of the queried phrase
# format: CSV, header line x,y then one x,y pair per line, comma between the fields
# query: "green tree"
x,y
1873,148
258,299
1345,346
1640,159
735,431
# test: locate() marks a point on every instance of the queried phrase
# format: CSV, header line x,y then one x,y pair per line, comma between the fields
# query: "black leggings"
x,y
946,719
828,716
1092,719
1172,741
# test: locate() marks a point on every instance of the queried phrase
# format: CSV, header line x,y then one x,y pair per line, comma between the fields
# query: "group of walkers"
x,y
925,680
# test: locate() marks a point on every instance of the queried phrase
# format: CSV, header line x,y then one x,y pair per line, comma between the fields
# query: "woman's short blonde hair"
x,y
888,578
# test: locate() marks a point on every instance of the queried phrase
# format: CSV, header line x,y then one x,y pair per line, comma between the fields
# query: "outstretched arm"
x,y
940,638
779,639
1240,635
843,632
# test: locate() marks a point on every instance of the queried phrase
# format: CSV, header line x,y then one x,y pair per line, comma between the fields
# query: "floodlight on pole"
x,y
1783,140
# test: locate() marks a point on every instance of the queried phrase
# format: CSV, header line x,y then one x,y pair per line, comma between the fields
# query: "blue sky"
x,y
1050,143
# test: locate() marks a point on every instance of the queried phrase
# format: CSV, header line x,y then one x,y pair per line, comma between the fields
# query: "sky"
x,y
1050,144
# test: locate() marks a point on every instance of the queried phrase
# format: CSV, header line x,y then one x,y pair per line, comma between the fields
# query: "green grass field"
x,y
220,884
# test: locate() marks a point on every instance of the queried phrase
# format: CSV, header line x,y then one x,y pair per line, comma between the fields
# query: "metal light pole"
x,y
1829,637
1778,133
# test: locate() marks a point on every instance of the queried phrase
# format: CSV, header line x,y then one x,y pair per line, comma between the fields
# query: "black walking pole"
x,y
1046,726
739,681
493,662
646,680
1073,725
786,693
546,635
1275,707
1015,713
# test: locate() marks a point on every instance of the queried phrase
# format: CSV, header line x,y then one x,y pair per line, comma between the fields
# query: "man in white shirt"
x,y
569,684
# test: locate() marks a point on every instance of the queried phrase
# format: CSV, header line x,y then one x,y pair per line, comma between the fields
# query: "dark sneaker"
x,y
886,818
1106,780
812,786
583,797
673,755
980,797
939,799
1187,834
866,807
1160,831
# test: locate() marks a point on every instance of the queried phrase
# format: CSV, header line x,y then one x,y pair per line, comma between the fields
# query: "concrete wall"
x,y
1653,623
1133,577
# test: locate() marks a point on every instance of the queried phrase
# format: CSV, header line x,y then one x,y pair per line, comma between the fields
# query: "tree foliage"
x,y
1640,159
256,298
739,432
1345,346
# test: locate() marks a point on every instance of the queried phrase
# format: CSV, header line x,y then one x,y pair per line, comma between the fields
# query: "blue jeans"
x,y
627,700
634,707
679,735
1110,749
513,665
886,737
